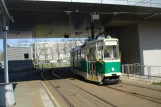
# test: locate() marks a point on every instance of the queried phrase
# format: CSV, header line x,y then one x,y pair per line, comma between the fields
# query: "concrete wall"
x,y
129,44
51,25
150,43
16,60
20,34
57,30
112,31
17,53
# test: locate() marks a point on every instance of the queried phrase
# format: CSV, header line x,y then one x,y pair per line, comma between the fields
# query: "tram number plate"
x,y
113,74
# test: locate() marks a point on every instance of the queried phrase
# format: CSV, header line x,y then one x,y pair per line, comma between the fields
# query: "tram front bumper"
x,y
112,74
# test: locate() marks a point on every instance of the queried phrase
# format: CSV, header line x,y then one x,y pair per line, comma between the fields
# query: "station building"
x,y
136,23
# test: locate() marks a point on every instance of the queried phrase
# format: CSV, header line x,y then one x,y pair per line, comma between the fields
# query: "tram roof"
x,y
75,49
92,42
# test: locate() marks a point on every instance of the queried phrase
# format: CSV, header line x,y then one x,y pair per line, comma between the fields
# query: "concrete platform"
x,y
31,94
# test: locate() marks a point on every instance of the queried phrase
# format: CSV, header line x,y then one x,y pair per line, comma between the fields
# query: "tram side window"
x,y
100,52
78,55
87,54
75,55
80,52
93,54
83,54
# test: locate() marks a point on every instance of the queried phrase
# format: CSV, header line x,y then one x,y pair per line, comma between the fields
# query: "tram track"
x,y
84,90
152,99
145,97
159,90
56,87
60,81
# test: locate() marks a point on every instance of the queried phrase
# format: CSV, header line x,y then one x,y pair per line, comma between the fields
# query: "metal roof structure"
x,y
4,25
145,3
4,14
40,5
34,11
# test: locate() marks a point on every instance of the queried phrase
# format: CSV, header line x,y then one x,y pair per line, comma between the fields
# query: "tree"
x,y
52,50
58,51
65,48
46,51
38,49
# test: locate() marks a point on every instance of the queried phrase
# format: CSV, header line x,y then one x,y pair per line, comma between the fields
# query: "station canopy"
x,y
34,13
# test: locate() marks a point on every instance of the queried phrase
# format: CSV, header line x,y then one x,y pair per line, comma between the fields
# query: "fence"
x,y
141,71
52,65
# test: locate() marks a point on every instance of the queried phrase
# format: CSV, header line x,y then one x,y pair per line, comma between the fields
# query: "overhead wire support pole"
x,y
5,8
7,98
5,29
5,23
92,27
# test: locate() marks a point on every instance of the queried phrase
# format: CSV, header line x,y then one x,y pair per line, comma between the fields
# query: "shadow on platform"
x,y
36,75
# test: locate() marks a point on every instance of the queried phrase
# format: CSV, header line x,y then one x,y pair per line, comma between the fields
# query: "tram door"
x,y
92,62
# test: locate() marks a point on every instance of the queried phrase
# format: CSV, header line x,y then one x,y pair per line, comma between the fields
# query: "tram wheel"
x,y
118,81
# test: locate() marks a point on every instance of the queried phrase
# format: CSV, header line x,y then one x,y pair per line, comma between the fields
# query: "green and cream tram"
x,y
97,60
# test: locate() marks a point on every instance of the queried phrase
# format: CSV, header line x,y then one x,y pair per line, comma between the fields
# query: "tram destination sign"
x,y
111,43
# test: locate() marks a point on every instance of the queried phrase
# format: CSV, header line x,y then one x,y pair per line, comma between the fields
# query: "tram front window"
x,y
111,52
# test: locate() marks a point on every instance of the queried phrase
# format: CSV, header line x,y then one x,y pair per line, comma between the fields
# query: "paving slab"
x,y
31,94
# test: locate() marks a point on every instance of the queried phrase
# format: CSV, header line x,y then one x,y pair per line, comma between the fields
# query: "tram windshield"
x,y
111,52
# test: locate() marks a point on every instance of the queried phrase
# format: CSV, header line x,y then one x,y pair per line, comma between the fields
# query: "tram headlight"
x,y
113,69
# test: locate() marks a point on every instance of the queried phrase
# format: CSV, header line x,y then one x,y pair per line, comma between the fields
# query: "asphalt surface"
x,y
74,91
77,92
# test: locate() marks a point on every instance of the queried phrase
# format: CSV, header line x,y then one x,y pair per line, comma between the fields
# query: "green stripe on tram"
x,y
106,67
84,66
101,67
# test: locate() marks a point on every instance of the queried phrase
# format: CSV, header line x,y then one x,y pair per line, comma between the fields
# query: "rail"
x,y
143,71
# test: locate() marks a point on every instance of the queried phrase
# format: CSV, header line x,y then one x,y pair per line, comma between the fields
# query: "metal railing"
x,y
141,71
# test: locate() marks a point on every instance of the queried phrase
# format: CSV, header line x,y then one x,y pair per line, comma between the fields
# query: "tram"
x,y
97,60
